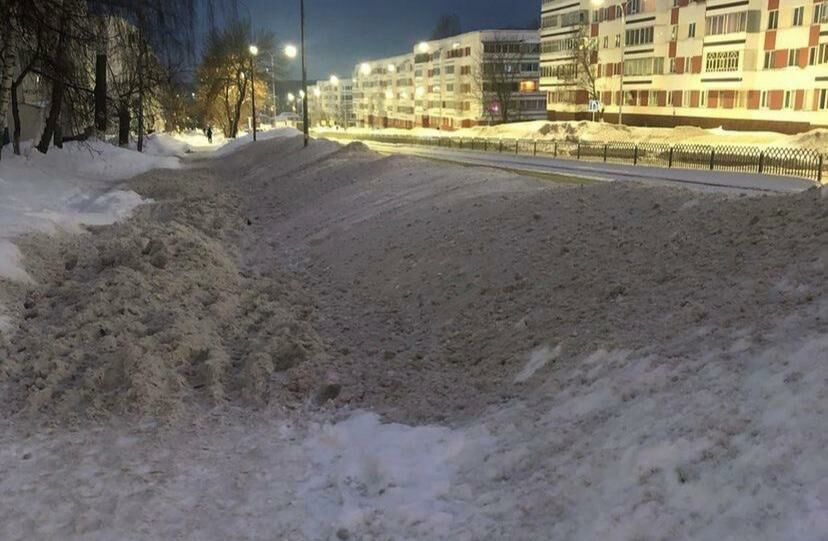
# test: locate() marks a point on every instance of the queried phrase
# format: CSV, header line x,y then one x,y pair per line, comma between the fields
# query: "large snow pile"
x,y
65,188
233,145
607,132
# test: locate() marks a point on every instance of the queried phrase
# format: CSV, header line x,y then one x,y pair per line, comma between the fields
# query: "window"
x,y
691,30
788,101
702,99
674,32
673,67
633,7
768,65
727,23
644,66
685,97
823,99
722,61
606,42
669,98
763,99
773,19
618,40
812,56
822,53
639,36
798,15
820,14
465,70
791,57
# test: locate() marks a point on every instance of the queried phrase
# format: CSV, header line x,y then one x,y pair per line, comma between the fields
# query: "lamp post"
x,y
304,71
622,5
253,52
291,52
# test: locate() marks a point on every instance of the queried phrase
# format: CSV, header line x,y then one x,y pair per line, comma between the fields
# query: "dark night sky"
x,y
341,33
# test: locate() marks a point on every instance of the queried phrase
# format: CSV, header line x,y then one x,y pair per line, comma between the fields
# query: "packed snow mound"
x,y
233,145
164,144
160,318
66,188
573,131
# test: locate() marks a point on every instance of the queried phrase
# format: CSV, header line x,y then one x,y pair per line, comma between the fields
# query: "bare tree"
x,y
225,73
581,72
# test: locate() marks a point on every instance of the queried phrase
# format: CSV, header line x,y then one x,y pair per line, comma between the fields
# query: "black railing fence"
x,y
793,162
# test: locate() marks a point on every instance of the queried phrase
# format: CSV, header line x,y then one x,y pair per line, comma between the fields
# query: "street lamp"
x,y
304,70
622,5
290,51
253,52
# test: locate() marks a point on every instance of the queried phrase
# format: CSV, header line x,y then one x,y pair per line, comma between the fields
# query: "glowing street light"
x,y
291,97
291,51
254,50
302,94
423,47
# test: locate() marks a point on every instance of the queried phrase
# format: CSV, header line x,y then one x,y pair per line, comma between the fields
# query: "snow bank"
x,y
232,145
606,132
65,188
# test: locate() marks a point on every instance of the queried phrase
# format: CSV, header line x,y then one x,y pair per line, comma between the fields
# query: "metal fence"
x,y
793,162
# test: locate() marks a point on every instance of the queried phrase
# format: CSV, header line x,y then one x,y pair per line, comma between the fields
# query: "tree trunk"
x,y
101,117
141,52
9,62
101,120
15,107
53,120
60,72
123,123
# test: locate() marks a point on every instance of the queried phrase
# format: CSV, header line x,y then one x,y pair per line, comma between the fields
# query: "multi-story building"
x,y
746,64
331,103
484,77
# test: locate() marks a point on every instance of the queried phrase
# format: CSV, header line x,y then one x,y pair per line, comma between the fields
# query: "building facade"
x,y
331,103
744,64
485,77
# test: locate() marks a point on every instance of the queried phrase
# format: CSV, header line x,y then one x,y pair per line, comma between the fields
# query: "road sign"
x,y
594,106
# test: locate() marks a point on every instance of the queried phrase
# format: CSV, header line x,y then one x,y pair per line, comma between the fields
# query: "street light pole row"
x,y
290,52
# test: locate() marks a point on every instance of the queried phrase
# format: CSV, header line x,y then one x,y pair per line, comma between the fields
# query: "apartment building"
x,y
484,77
743,64
331,103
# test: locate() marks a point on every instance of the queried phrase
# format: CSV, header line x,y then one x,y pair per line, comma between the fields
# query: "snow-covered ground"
x,y
607,361
597,131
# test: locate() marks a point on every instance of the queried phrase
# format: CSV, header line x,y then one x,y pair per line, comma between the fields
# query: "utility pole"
x,y
253,52
304,72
